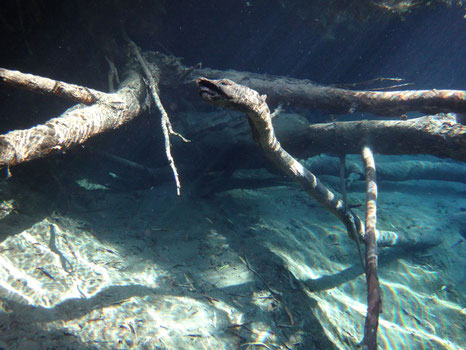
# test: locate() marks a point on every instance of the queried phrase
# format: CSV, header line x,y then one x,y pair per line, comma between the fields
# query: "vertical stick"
x,y
343,180
374,301
165,121
357,238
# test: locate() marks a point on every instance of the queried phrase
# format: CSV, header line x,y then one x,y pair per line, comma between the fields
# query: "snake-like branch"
x,y
226,93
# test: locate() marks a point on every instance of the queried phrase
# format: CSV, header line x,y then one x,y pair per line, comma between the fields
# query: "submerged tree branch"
x,y
302,93
76,125
226,93
306,94
48,86
374,301
439,135
167,128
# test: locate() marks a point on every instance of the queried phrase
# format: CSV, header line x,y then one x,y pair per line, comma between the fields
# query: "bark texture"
x,y
48,86
440,136
306,94
374,300
226,93
76,125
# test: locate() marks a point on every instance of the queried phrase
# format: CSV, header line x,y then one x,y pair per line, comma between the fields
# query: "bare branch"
x,y
76,125
48,86
165,120
302,93
374,300
306,94
226,93
439,135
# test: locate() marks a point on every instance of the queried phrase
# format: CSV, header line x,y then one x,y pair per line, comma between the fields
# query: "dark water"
x,y
151,270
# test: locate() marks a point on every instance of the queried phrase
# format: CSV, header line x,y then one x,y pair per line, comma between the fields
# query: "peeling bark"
x,y
76,125
302,93
48,86
226,93
374,300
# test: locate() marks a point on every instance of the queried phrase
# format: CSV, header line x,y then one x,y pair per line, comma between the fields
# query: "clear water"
x,y
100,253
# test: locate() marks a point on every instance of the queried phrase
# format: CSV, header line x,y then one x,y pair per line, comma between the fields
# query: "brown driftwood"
x,y
76,125
301,93
374,300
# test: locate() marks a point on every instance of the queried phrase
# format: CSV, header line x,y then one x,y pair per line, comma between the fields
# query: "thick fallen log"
x,y
306,94
76,125
302,93
440,136
392,170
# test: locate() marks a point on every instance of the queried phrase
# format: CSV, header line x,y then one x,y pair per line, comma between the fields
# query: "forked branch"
x,y
76,125
167,128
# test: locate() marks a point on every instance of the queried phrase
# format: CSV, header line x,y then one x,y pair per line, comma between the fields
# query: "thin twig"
x,y
345,201
276,295
165,120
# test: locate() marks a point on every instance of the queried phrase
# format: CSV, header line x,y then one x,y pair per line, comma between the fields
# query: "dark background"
x,y
66,39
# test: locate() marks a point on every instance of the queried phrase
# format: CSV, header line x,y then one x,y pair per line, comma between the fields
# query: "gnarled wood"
x,y
226,93
374,300
76,125
306,94
302,93
48,86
